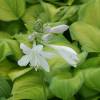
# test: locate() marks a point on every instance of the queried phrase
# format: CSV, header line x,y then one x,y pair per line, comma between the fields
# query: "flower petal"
x,y
24,60
26,49
67,53
47,55
37,48
34,60
58,29
43,63
47,37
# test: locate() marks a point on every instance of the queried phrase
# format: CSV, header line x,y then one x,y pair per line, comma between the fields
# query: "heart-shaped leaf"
x,y
91,77
86,31
64,87
11,9
89,13
29,86
87,35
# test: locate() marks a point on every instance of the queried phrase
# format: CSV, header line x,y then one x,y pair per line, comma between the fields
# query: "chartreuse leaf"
x,y
91,77
9,46
64,87
82,56
90,14
32,14
5,67
90,69
18,72
87,35
43,11
90,63
23,38
11,9
57,67
86,30
29,86
49,11
5,88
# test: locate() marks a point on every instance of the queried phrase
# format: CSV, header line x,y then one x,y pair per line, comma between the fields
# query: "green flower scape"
x,y
19,19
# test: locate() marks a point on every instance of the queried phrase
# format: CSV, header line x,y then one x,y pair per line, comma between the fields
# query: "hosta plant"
x,y
49,50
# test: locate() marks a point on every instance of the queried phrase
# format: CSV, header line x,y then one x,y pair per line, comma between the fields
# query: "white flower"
x,y
36,57
56,29
67,53
47,37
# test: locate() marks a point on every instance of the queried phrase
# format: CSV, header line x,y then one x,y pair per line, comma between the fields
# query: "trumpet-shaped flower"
x,y
36,57
67,53
56,29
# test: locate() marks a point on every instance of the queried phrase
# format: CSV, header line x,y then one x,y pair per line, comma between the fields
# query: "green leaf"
x,y
9,46
49,11
87,35
89,13
82,56
12,27
23,38
67,14
32,13
91,70
11,9
29,86
5,88
87,92
86,31
91,77
5,67
64,87
90,63
43,11
18,72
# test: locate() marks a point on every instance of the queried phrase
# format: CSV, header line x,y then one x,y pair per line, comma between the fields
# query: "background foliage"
x,y
63,82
